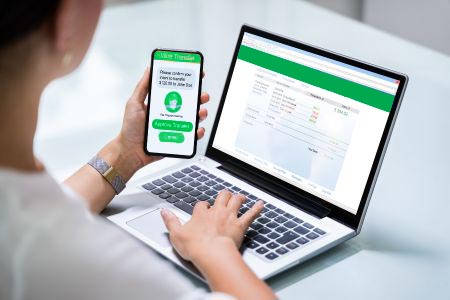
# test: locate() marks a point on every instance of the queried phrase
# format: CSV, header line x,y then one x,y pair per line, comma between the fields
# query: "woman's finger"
x,y
204,98
202,114
250,216
170,220
200,133
141,90
200,207
222,199
236,202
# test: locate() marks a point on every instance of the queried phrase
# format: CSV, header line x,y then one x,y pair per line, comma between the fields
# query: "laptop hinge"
x,y
275,189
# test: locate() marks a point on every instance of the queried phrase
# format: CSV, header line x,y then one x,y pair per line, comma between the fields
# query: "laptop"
x,y
301,128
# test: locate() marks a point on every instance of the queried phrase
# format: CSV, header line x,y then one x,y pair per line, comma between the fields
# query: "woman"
x,y
51,246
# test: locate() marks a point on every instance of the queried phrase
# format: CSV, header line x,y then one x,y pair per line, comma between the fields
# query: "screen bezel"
x,y
338,213
147,118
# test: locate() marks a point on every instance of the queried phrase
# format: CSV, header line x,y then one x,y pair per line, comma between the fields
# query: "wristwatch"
x,y
109,173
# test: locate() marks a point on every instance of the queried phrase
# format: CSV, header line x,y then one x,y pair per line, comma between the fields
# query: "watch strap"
x,y
109,173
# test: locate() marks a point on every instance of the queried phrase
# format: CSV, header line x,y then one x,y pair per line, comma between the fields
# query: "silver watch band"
x,y
109,173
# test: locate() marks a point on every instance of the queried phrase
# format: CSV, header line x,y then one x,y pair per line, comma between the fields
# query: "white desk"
x,y
403,251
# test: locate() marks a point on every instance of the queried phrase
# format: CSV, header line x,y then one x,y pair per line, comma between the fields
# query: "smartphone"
x,y
173,103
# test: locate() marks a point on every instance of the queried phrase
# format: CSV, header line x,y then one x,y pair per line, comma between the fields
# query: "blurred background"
x,y
83,111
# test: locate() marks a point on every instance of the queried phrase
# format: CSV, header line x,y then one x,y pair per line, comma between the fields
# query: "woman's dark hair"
x,y
20,17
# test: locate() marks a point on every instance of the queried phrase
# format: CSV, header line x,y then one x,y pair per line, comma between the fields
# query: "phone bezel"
x,y
194,150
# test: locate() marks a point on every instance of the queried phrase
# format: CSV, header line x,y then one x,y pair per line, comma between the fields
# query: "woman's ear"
x,y
72,29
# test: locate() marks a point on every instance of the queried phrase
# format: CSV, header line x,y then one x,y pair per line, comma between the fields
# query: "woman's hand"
x,y
211,227
131,138
211,239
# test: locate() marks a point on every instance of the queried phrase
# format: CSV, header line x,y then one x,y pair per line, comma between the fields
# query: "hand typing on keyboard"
x,y
211,241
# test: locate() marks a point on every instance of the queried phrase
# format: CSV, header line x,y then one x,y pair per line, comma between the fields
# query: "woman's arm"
x,y
211,239
125,153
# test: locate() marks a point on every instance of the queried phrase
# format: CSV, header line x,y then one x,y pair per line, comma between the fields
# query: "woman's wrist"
x,y
123,159
205,257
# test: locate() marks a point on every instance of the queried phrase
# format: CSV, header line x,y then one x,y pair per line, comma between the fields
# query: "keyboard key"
x,y
287,237
187,170
272,225
165,186
203,197
270,206
261,250
169,179
187,189
292,245
282,251
211,193
164,195
312,236
157,191
181,195
273,235
319,231
264,230
261,239
263,220
271,214
301,230
288,215
227,184
195,193
253,197
256,226
184,207
272,245
307,225
264,210
204,172
279,210
290,224
189,199
149,186
179,184
173,191
280,219
281,229
218,187
193,203
195,183
186,179
194,174
203,178
172,199
271,256
220,180
251,245
158,182
210,183
301,241
297,220
178,175
235,189
251,233
195,167
212,176
245,193
203,188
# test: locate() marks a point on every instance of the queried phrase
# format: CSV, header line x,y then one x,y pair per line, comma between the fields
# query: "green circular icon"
x,y
173,102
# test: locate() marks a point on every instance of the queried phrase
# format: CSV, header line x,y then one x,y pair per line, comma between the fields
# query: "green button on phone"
x,y
172,125
171,137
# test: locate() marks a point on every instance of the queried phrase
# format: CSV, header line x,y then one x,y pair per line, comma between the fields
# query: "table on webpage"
x,y
286,124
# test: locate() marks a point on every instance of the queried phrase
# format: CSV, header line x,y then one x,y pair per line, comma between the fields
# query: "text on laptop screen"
x,y
313,122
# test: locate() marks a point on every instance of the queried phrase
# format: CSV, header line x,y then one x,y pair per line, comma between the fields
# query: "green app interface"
x,y
173,102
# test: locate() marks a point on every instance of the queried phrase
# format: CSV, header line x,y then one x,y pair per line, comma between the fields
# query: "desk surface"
x,y
403,251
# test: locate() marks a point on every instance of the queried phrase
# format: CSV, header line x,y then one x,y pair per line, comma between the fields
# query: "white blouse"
x,y
52,247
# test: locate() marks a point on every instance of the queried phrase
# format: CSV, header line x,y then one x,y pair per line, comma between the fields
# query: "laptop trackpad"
x,y
152,226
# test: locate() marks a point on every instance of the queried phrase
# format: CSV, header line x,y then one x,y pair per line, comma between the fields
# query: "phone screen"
x,y
173,103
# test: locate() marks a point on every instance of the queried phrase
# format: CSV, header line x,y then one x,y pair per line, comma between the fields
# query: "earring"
x,y
67,58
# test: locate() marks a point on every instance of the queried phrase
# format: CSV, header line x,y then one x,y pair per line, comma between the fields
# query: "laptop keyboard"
x,y
275,233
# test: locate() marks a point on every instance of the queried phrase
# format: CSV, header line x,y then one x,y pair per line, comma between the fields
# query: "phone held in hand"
x,y
173,103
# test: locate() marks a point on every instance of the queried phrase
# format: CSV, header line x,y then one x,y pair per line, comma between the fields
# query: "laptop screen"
x,y
311,121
